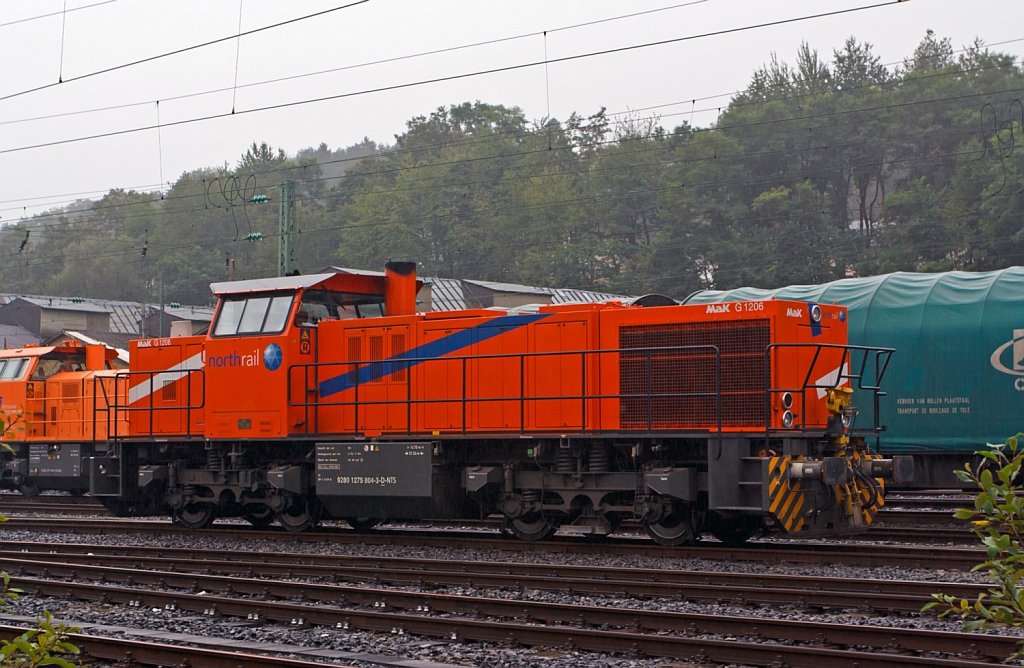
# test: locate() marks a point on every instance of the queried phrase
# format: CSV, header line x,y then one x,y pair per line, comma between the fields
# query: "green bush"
x,y
998,520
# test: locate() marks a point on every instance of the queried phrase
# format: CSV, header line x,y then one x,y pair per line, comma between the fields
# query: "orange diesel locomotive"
x,y
328,395
58,402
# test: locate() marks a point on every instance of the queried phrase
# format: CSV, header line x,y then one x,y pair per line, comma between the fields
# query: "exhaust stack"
x,y
400,288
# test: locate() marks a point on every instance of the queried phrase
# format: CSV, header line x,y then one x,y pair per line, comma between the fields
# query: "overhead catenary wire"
x,y
176,52
720,127
447,78
497,136
49,14
293,77
427,166
595,144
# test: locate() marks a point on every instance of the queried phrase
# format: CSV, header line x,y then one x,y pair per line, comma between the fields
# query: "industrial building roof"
x,y
570,296
119,342
192,313
446,294
13,336
124,316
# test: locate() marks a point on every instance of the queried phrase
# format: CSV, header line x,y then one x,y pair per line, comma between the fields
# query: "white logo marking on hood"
x,y
1016,344
178,371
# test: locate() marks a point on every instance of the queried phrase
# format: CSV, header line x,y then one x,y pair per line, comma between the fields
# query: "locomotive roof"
x,y
281,283
40,351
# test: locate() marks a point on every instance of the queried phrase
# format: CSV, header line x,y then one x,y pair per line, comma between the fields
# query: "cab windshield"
x,y
13,369
252,314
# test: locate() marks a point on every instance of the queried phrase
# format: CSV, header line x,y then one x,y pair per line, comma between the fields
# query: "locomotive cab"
x,y
240,390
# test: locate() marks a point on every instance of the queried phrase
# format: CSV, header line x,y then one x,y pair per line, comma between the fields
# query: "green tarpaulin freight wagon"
x,y
956,380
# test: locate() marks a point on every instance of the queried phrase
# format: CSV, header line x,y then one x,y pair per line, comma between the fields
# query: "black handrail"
x,y
847,361
389,366
127,409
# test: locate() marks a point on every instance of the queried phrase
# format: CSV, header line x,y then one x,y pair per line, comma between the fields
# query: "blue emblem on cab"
x,y
842,316
272,357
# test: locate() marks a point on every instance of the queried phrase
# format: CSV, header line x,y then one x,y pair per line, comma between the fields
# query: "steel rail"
x,y
7,500
930,517
635,641
820,592
844,553
159,654
880,530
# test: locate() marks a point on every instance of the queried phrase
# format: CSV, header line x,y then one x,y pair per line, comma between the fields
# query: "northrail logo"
x,y
234,359
718,308
1015,347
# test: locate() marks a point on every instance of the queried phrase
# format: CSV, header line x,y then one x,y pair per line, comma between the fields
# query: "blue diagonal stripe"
x,y
456,341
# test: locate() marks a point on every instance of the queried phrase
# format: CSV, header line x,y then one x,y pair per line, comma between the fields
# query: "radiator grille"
x,y
742,347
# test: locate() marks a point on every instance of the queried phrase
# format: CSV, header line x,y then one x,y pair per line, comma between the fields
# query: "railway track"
x,y
171,582
149,653
770,551
756,589
899,509
948,530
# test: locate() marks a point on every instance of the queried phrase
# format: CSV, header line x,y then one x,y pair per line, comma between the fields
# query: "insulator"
x,y
565,462
599,459
214,460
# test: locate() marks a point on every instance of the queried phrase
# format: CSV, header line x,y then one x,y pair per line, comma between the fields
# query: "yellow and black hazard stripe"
x,y
869,511
785,498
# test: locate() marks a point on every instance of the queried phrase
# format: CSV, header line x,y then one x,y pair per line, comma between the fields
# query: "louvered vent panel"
x,y
377,353
397,348
742,347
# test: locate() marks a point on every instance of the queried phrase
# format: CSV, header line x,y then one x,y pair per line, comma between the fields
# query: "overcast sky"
x,y
100,34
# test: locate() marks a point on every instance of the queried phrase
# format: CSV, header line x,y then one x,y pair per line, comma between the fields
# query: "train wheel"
x,y
531,526
361,524
677,524
298,516
29,488
196,515
260,517
674,529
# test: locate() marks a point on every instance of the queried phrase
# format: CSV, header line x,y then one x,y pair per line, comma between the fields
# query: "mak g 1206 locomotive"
x,y
329,396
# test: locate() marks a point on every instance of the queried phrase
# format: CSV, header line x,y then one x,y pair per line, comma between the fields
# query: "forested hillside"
x,y
825,168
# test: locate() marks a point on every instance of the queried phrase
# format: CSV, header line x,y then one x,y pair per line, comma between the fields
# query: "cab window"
x,y
320,305
245,314
49,366
12,369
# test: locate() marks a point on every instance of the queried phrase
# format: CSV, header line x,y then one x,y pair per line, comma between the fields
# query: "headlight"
x,y
787,419
815,313
787,400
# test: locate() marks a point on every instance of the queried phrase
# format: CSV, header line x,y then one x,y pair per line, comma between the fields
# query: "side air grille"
x,y
741,345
